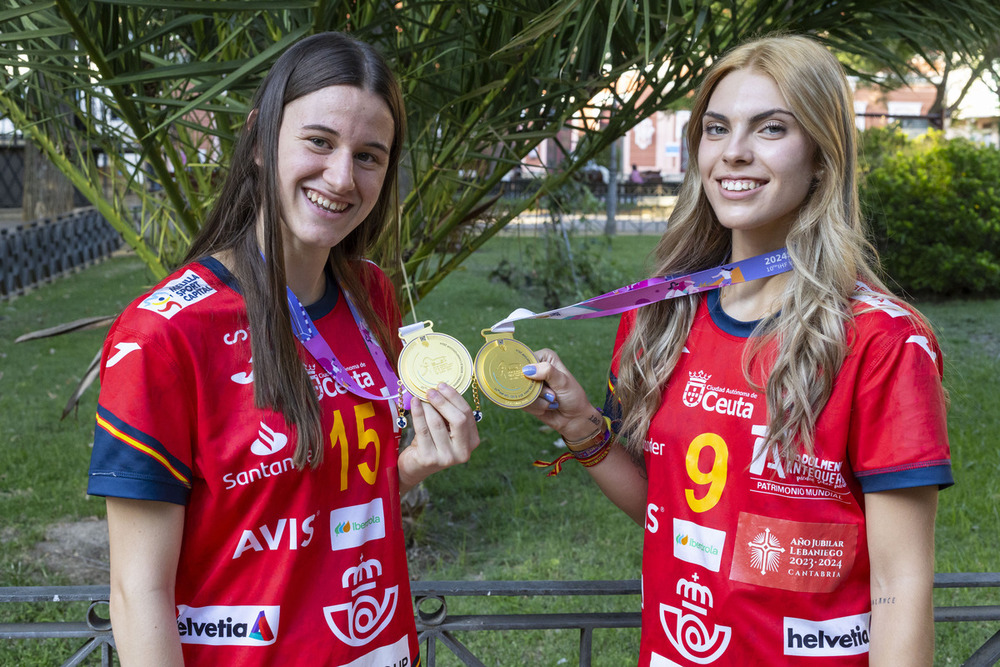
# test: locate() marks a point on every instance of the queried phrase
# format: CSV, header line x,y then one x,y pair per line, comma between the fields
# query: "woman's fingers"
x,y
561,391
563,405
444,428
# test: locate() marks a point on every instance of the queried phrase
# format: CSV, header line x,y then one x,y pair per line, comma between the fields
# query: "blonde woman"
x,y
782,440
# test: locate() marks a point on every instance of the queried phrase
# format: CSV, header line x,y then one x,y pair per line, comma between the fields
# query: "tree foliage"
x,y
934,205
140,100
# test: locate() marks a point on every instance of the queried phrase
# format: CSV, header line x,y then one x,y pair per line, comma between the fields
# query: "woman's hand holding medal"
x,y
429,358
563,404
445,434
436,369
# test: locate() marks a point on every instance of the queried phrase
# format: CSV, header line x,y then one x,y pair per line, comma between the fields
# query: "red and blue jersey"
x,y
749,559
277,565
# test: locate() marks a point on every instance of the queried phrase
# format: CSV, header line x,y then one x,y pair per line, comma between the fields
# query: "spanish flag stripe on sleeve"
x,y
118,433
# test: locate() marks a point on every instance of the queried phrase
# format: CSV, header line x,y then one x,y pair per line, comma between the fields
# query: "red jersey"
x,y
277,565
748,560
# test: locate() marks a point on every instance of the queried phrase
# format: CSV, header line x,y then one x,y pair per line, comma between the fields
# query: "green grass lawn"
x,y
496,517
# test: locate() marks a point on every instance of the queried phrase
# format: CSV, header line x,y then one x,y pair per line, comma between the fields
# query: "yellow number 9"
x,y
714,478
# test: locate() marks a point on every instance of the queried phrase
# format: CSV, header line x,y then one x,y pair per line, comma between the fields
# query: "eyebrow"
x,y
329,130
754,119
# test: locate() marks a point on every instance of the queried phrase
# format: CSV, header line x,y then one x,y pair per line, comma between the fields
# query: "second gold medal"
x,y
498,371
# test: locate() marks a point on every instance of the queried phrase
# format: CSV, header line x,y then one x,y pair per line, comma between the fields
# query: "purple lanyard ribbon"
x,y
305,330
653,290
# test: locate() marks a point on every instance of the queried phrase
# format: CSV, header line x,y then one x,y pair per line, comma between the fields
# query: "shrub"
x,y
559,267
934,208
879,143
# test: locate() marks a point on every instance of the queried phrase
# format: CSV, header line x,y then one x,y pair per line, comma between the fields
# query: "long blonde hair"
x,y
826,245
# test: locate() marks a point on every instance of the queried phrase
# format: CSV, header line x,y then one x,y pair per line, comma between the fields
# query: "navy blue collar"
x,y
316,310
728,324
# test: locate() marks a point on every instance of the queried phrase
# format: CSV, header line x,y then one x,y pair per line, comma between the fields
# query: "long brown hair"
x,y
250,192
826,245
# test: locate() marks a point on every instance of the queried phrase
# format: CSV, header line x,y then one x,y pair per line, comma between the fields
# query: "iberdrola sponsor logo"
x,y
231,625
698,544
353,526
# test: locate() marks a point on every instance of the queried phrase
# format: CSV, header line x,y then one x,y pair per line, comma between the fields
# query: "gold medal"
x,y
429,358
498,371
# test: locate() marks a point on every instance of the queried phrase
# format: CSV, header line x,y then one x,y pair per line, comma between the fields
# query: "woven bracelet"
x,y
588,457
600,441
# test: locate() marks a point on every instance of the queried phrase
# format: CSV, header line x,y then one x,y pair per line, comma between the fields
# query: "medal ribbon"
x,y
305,330
653,290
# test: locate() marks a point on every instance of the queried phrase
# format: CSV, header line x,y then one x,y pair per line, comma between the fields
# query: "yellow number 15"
x,y
714,478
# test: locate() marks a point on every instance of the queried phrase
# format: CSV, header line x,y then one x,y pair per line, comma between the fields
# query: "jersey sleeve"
x,y
898,424
145,419
612,403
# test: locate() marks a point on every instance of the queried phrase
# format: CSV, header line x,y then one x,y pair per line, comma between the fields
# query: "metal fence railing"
x,y
37,252
642,208
641,221
437,627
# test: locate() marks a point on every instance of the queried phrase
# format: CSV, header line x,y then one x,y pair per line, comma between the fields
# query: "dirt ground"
x,y
77,551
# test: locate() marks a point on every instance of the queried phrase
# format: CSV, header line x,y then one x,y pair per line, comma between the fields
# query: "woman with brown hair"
x,y
247,435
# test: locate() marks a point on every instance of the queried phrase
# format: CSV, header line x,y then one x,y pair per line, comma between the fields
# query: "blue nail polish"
x,y
550,396
554,405
529,370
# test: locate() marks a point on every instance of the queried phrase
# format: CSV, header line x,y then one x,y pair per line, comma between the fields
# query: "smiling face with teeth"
x,y
333,152
756,162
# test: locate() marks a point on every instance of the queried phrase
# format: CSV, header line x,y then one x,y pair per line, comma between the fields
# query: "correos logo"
x,y
362,619
353,526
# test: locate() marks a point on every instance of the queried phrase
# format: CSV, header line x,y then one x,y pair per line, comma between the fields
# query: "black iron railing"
x,y
94,630
436,626
40,251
